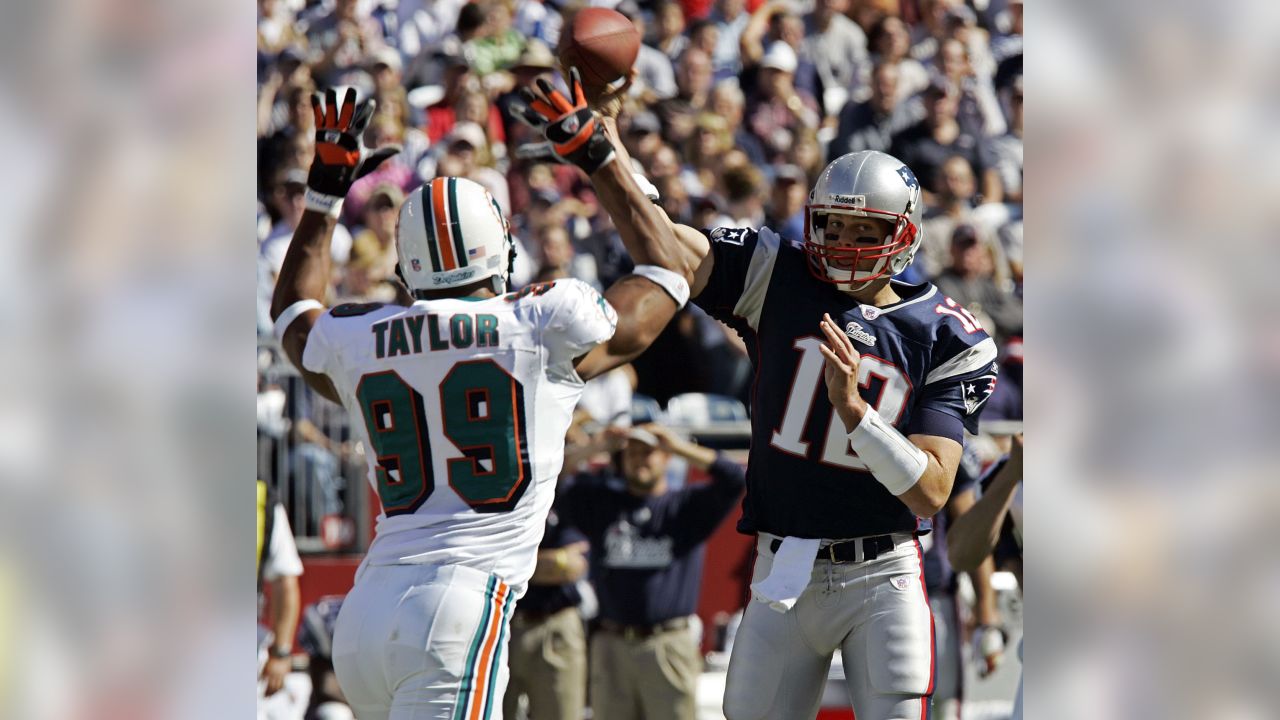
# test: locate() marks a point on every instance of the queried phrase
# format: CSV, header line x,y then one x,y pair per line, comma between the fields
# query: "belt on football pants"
x,y
642,632
850,551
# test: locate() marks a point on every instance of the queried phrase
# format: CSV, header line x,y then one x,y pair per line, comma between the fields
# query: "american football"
x,y
602,44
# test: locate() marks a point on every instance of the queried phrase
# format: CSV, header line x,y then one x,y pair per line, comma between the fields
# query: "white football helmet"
x,y
452,233
864,184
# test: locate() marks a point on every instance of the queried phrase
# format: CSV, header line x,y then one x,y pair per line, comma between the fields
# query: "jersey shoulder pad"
x,y
573,316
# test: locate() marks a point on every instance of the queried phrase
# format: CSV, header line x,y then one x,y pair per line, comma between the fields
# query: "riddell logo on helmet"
x,y
858,201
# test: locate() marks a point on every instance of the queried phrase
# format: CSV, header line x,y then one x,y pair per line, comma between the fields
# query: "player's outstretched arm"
x,y
644,309
919,470
973,536
341,159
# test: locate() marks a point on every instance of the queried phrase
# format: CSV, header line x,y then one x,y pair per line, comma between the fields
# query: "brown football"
x,y
601,43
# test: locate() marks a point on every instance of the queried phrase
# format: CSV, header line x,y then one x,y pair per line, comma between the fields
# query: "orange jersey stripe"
x,y
444,238
487,653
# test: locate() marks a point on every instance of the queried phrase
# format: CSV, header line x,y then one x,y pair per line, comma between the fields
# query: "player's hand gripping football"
x,y
341,155
840,371
575,131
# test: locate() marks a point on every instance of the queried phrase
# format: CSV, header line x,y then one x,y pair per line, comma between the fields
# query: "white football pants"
x,y
422,642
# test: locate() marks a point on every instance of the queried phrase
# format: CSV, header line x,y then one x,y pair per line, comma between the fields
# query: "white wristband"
x,y
673,282
291,313
891,457
649,189
324,204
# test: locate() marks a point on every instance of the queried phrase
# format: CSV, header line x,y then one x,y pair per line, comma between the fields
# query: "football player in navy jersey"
x,y
840,483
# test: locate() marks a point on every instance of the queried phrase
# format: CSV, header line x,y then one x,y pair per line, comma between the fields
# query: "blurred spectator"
x,y
276,27
670,38
806,153
837,47
341,40
539,21
779,109
464,148
548,649
871,125
655,75
642,137
458,80
372,266
786,202
296,128
693,82
972,279
952,206
490,43
705,151
977,112
925,146
772,22
744,193
1007,149
731,18
278,568
890,45
646,566
559,258
315,637
728,102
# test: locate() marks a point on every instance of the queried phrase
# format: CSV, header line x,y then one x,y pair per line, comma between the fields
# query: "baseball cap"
x,y
780,57
389,191
790,173
467,132
294,176
645,122
536,55
964,235
643,436
385,56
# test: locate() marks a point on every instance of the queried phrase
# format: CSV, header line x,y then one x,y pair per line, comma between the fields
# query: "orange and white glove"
x,y
341,155
575,131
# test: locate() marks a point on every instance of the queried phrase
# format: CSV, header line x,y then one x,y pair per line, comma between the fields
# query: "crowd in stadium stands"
x,y
735,109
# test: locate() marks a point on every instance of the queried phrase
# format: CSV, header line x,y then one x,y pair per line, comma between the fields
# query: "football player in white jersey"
x,y
462,395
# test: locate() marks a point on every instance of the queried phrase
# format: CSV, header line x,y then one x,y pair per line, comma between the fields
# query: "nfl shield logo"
x,y
870,312
416,265
901,582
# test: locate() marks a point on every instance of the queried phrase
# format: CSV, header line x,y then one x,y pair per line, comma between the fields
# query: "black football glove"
x,y
575,131
341,155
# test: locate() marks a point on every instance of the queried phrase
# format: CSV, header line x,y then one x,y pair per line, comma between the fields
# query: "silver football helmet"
x,y
864,184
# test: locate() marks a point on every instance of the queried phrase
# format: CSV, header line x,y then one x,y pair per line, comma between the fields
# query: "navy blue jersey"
x,y
927,366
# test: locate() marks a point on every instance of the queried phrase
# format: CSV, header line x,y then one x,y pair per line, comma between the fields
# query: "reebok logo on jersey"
x,y
855,331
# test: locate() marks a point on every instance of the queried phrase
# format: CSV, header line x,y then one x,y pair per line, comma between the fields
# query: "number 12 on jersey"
x,y
482,414
894,390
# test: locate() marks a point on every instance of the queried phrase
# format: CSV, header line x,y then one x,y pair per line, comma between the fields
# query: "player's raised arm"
x,y
648,300
341,158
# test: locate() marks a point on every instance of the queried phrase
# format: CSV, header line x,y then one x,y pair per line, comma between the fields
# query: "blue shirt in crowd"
x,y
646,552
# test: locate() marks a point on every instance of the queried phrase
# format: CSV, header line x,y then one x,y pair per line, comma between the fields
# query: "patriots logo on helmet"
x,y
977,391
908,177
